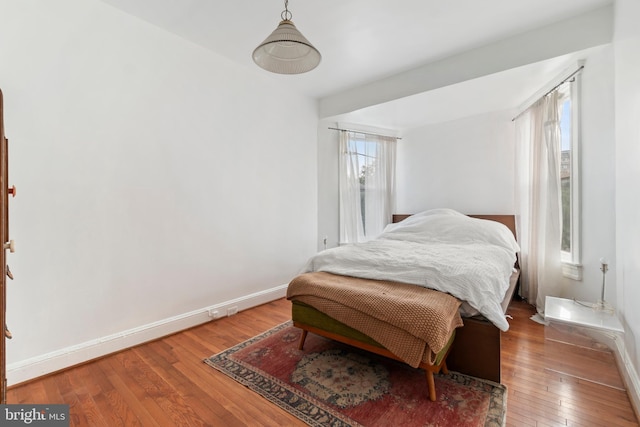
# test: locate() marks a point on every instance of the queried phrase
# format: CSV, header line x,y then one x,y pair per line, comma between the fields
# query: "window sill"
x,y
572,271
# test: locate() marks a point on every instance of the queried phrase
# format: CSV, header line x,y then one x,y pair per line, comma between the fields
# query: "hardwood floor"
x,y
165,382
541,395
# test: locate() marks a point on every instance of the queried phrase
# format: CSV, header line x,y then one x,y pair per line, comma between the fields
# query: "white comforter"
x,y
469,258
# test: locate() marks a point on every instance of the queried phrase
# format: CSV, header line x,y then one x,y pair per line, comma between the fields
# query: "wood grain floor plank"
x,y
125,395
155,355
111,403
143,404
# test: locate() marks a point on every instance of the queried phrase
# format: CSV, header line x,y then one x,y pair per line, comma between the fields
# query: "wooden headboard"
x,y
508,220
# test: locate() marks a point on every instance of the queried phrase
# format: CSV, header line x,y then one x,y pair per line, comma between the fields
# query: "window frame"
x,y
360,141
375,146
571,260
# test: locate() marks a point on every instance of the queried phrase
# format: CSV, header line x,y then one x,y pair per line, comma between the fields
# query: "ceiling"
x,y
364,41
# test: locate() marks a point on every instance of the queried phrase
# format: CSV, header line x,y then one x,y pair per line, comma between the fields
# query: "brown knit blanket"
x,y
411,321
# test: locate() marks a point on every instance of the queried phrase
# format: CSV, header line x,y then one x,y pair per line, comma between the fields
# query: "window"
x,y
569,178
367,184
565,173
547,133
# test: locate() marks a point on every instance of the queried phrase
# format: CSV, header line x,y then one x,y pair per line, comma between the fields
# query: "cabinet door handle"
x,y
11,245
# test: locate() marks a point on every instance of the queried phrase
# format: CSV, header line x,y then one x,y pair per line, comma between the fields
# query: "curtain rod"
x,y
566,79
366,133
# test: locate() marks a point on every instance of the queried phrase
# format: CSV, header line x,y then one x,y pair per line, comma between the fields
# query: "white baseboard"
x,y
35,367
629,374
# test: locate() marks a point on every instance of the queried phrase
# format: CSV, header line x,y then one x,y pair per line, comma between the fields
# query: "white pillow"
x,y
449,226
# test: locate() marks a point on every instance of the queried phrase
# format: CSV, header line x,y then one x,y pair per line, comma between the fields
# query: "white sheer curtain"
x,y
367,185
351,227
538,199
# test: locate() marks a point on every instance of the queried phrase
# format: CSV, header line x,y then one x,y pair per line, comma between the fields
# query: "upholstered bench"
x,y
309,319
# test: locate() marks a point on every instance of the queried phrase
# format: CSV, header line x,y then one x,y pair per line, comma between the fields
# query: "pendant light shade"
x,y
286,50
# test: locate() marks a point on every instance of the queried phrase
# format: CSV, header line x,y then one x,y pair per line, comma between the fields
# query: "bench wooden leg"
x,y
432,386
303,337
430,380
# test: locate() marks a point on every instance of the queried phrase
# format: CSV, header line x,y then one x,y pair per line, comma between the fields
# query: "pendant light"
x,y
286,50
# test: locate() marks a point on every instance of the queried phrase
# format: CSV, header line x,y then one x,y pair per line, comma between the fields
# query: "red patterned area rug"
x,y
331,384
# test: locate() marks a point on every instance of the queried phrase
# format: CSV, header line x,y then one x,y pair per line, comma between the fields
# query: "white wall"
x,y
154,177
465,164
627,201
328,185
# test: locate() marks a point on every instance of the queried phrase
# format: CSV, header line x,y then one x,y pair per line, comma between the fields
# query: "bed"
x,y
470,345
